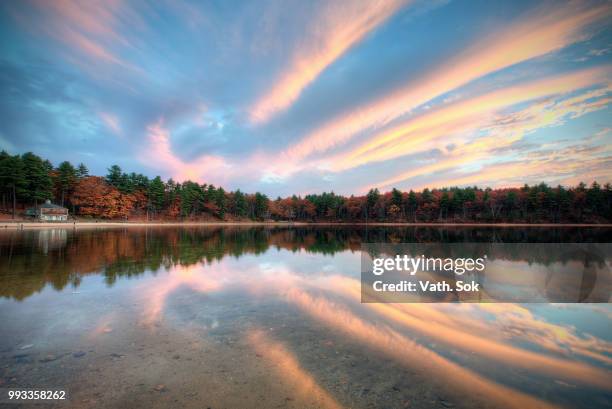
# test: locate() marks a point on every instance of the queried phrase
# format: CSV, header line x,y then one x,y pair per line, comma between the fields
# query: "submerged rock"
x,y
49,358
446,403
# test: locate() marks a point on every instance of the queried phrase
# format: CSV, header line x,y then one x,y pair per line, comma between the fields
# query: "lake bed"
x,y
234,317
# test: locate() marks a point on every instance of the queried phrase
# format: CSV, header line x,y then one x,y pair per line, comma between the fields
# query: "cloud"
x,y
478,129
158,153
543,32
111,121
472,114
335,29
90,31
567,170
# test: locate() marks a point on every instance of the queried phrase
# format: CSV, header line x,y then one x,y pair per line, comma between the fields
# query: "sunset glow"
x,y
279,98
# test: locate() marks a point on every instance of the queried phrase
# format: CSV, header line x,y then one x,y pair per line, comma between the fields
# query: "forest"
x,y
28,180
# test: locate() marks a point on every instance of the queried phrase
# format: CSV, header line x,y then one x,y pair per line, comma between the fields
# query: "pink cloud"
x,y
337,28
541,33
208,168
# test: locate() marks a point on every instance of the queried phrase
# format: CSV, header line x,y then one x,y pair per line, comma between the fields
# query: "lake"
x,y
270,317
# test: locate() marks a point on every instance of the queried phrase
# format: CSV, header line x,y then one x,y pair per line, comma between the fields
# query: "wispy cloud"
x,y
159,154
579,158
336,28
328,93
458,122
544,31
90,31
111,121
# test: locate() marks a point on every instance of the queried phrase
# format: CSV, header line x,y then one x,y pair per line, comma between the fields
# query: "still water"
x,y
271,318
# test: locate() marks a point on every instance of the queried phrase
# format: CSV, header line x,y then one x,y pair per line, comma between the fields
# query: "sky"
x,y
300,97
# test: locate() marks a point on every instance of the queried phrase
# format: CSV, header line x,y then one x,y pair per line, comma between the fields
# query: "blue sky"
x,y
298,97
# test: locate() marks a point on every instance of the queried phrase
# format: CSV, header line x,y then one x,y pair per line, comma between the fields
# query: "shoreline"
x,y
22,225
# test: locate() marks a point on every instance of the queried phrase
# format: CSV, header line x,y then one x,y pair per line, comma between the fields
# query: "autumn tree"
x,y
95,197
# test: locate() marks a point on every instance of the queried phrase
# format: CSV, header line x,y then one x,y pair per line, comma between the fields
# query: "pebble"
x,y
49,358
78,354
446,404
160,388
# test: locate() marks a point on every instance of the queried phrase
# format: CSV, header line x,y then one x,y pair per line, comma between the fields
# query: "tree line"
x,y
29,180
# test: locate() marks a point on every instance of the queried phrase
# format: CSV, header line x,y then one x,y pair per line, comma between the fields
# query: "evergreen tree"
x,y
444,205
114,176
82,171
65,179
220,202
371,200
261,205
396,198
38,181
156,194
412,204
12,178
240,204
191,198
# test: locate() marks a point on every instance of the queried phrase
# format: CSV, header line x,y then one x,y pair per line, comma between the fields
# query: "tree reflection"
x,y
30,260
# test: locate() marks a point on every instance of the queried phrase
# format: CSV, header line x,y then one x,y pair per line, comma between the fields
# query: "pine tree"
x,y
65,179
12,177
371,201
412,204
397,200
156,194
261,205
240,204
38,181
114,176
220,202
82,171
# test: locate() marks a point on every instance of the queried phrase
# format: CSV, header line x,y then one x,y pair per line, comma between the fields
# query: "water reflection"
x,y
273,317
60,257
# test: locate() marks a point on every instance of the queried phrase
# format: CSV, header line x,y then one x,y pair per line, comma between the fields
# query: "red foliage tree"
x,y
94,197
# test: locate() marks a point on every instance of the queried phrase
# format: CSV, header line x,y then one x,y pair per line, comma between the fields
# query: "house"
x,y
48,212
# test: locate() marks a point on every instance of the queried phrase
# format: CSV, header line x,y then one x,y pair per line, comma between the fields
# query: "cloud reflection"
x,y
289,370
488,331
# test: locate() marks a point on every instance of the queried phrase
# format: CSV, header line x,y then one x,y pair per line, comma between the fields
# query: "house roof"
x,y
46,205
50,206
